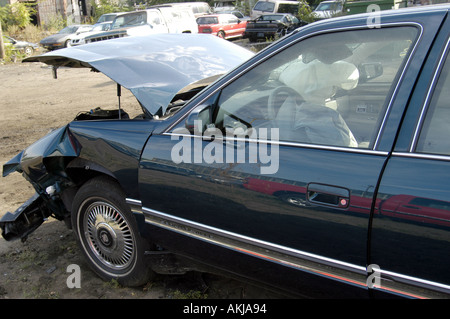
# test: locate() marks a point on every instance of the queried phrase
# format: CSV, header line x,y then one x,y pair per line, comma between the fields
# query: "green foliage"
x,y
9,55
305,12
243,6
16,14
55,23
108,6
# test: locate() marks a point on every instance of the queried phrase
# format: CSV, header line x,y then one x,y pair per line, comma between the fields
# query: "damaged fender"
x,y
42,164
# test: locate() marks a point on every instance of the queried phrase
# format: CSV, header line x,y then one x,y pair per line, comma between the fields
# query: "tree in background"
x,y
108,6
305,12
17,14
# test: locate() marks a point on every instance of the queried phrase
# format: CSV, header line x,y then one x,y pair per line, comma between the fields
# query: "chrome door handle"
x,y
328,195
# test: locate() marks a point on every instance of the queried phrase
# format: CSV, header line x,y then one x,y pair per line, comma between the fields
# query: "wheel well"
x,y
79,175
80,171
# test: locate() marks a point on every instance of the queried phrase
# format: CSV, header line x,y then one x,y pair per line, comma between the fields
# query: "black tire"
x,y
107,233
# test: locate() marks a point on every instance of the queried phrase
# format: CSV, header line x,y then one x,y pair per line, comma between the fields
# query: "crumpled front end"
x,y
42,164
24,220
155,69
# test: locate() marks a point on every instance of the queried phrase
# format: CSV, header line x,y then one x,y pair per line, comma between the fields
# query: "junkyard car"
x,y
319,166
80,38
63,37
328,9
27,48
223,25
269,26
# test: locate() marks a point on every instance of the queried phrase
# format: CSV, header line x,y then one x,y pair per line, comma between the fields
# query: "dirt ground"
x,y
32,103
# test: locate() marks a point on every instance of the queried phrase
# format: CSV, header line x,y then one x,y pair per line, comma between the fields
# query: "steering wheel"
x,y
320,124
274,108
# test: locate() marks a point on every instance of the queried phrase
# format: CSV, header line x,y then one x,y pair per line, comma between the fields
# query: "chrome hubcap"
x,y
109,235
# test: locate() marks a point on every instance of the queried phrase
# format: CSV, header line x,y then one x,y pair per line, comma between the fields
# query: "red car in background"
x,y
225,26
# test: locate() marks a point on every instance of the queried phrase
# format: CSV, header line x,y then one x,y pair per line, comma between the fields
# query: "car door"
x,y
282,161
157,22
411,234
236,26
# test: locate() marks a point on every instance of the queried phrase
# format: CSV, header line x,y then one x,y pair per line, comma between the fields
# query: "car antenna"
x,y
119,93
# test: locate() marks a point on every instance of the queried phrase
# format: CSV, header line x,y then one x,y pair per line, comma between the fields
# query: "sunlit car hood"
x,y
54,38
154,67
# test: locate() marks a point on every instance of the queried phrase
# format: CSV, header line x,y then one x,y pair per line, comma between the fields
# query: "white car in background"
x,y
96,28
328,9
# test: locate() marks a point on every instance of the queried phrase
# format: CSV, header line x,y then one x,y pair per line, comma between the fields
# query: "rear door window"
x,y
435,135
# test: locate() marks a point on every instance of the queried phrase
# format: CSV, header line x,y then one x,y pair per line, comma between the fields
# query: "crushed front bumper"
x,y
24,220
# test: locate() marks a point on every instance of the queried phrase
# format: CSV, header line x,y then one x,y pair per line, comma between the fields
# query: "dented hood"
x,y
154,67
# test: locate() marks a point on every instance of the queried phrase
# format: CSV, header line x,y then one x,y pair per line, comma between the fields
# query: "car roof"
x,y
394,13
217,15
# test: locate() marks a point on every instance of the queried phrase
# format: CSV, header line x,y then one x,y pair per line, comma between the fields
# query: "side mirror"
x,y
198,119
369,71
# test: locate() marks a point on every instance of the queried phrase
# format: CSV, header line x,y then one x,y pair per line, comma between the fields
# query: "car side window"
x,y
434,137
330,89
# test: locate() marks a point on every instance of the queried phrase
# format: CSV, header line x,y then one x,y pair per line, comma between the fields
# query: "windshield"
x,y
271,17
288,8
323,7
70,29
264,6
130,20
106,18
207,20
328,6
101,27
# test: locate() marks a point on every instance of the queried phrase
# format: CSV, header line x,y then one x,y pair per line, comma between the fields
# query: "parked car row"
x,y
174,18
227,24
319,165
170,18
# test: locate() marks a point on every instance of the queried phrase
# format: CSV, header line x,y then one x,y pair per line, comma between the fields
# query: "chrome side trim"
x,y
285,143
411,286
285,256
134,202
422,156
319,265
293,258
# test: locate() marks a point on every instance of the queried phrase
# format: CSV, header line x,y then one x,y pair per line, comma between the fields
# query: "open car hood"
x,y
154,67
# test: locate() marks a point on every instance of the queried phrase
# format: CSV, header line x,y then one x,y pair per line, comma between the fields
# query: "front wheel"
x,y
107,233
28,51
